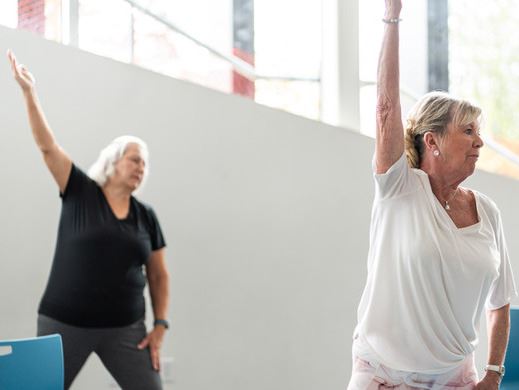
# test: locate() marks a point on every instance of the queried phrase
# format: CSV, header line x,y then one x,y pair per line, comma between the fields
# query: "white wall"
x,y
266,216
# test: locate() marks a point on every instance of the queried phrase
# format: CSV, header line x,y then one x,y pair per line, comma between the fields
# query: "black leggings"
x,y
116,347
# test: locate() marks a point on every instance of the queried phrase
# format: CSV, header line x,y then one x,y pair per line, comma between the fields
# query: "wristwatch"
x,y
499,369
164,323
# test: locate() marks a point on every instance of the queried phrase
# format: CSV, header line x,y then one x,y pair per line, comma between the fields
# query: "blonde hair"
x,y
433,112
104,167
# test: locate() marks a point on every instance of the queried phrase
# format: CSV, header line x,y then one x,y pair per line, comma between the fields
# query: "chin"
x,y
132,187
134,184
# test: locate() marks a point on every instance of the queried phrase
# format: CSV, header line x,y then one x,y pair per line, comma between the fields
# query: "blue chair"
x,y
30,364
511,378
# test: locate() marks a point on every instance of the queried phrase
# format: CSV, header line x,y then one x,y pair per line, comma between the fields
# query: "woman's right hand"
x,y
21,74
393,8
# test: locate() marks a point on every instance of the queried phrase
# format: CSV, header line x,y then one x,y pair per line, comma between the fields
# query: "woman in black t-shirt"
x,y
106,239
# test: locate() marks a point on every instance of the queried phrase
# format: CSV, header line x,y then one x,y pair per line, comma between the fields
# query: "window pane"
x,y
105,28
484,67
53,18
288,43
9,13
159,48
298,97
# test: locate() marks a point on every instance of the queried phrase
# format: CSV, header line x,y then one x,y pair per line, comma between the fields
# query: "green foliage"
x,y
484,60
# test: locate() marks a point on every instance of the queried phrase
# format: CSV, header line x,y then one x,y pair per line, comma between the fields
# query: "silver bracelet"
x,y
392,21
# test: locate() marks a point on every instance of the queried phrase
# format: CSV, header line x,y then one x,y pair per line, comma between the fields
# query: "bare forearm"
x,y
498,324
41,130
498,330
159,291
388,91
158,279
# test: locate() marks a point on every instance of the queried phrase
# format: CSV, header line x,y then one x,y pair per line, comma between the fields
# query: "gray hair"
x,y
104,167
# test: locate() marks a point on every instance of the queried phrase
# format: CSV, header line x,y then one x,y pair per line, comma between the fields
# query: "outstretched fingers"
x,y
12,60
20,72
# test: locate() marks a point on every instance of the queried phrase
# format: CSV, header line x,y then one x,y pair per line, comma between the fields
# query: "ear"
x,y
430,140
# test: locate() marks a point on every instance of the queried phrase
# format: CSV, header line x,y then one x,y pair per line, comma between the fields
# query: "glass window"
x,y
9,13
163,50
287,40
288,43
484,67
105,28
53,20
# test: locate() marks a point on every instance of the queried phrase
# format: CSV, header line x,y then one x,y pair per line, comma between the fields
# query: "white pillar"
x,y
414,50
340,64
70,22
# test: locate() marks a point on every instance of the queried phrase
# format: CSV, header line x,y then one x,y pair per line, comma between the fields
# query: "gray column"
x,y
71,14
243,43
438,39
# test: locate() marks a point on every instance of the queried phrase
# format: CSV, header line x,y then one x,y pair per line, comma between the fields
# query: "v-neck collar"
x,y
128,213
442,213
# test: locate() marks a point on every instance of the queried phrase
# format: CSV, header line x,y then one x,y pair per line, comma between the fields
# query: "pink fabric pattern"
x,y
367,376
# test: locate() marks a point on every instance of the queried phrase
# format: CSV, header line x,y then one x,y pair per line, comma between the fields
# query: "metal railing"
x,y
240,66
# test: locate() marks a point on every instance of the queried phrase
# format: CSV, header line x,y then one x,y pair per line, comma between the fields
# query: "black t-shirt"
x,y
97,277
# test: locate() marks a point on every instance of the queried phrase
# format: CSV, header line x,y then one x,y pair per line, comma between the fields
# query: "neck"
x,y
116,193
443,183
445,192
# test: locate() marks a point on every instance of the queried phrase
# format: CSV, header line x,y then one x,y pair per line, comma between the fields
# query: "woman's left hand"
x,y
489,382
154,341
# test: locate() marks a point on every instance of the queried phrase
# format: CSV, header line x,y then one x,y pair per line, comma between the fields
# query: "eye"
x,y
469,131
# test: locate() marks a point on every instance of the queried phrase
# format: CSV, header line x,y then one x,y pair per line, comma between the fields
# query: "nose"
x,y
479,141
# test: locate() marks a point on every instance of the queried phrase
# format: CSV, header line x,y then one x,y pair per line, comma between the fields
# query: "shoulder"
x,y
147,216
399,179
78,183
80,174
399,164
488,205
144,208
485,201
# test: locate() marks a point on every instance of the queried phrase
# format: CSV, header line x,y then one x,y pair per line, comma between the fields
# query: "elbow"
x,y
47,149
384,112
159,278
386,103
387,109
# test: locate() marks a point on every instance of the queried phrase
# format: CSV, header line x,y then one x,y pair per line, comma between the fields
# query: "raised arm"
x,y
390,131
58,162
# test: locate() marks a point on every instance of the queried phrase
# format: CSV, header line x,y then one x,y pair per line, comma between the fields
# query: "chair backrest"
x,y
34,363
512,352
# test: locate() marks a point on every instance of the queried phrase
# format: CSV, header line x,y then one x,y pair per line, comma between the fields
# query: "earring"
x,y
436,153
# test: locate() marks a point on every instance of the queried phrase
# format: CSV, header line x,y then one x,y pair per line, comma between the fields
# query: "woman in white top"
x,y
437,253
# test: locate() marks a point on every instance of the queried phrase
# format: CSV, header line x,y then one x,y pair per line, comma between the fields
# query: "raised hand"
x,y
21,74
58,162
393,8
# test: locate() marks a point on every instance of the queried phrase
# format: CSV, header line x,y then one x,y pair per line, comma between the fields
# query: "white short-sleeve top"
x,y
428,281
